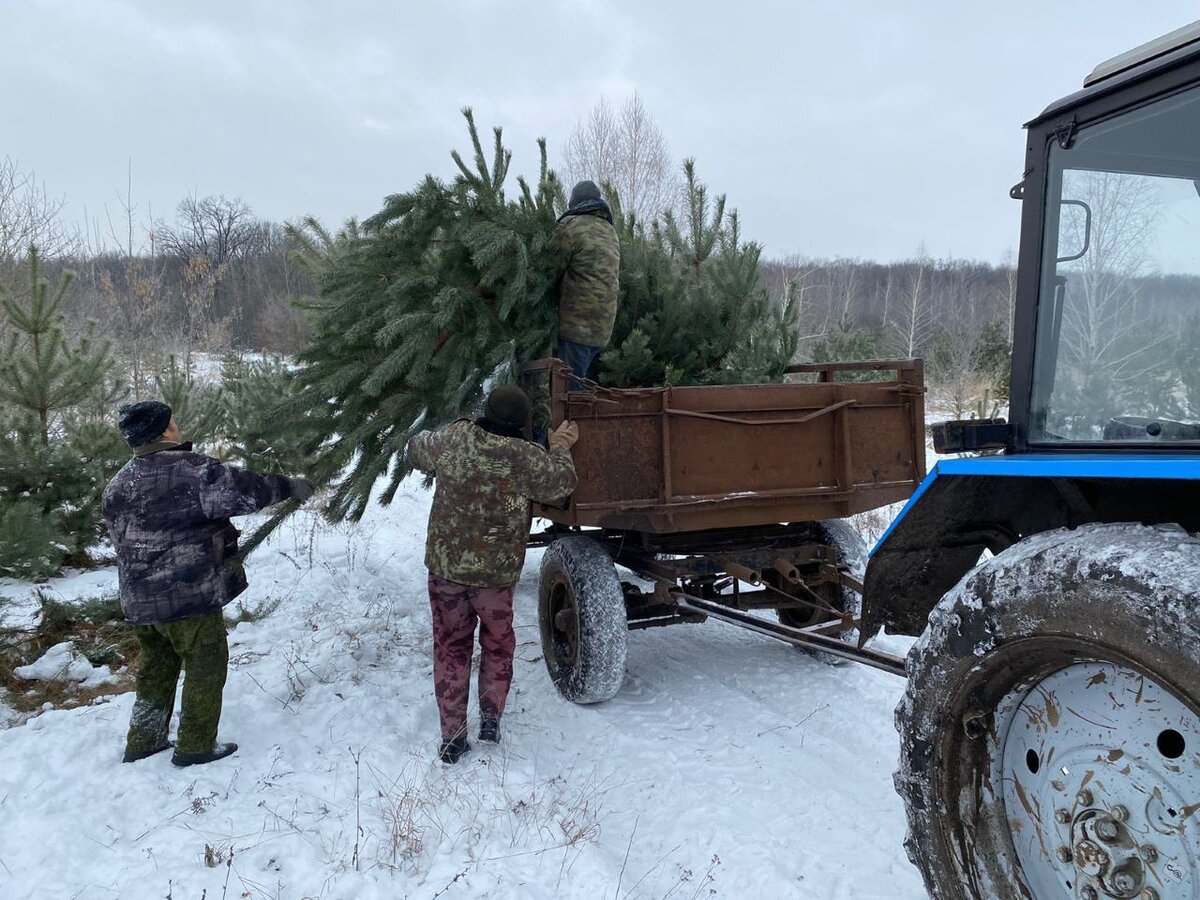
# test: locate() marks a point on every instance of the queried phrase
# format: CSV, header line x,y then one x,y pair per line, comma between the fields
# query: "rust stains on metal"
x,y
1053,711
1032,807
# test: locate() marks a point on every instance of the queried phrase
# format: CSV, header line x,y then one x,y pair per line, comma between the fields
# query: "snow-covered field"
x,y
728,765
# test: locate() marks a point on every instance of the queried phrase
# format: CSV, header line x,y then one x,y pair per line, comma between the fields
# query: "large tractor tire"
x,y
581,610
851,555
1050,730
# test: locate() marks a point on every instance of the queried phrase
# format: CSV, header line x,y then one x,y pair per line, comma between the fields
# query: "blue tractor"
x,y
1050,728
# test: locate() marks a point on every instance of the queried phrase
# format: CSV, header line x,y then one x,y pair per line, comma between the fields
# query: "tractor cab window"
x,y
1117,355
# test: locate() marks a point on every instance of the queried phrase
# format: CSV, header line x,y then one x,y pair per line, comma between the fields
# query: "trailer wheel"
x,y
581,609
1050,730
851,554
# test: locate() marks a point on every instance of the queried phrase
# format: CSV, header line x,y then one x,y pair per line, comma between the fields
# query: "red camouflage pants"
x,y
456,607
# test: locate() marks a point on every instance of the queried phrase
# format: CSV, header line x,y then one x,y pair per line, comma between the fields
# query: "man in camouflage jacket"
x,y
167,512
586,245
487,474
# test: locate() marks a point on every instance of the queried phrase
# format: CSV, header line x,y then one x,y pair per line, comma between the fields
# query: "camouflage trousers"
x,y
199,646
456,607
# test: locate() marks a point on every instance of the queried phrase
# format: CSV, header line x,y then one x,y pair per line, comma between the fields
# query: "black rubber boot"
x,y
135,755
489,730
219,751
452,751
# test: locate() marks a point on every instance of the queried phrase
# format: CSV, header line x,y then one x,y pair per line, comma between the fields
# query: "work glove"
x,y
565,436
302,489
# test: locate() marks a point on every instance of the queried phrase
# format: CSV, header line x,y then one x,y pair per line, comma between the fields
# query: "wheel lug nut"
x,y
1062,816
1148,893
1124,881
1119,813
1064,854
1089,893
1106,830
1084,798
1149,854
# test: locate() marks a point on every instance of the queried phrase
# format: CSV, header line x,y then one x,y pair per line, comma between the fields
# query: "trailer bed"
x,y
678,459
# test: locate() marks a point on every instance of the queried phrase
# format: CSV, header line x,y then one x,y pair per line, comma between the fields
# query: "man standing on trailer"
x,y
487,474
586,245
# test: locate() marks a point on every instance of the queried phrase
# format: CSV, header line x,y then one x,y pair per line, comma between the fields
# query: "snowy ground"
x,y
728,765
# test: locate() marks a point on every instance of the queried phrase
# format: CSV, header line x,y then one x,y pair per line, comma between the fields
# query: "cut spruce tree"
x,y
451,287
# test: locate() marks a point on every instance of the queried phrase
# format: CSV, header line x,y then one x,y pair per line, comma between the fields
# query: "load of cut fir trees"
x,y
449,289
417,310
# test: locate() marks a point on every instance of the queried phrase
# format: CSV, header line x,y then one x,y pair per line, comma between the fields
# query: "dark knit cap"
x,y
508,405
585,190
144,422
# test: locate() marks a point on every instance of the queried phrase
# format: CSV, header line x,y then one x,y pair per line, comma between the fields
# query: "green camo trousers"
x,y
198,645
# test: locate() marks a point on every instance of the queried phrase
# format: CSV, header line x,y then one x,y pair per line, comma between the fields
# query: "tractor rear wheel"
x,y
1050,730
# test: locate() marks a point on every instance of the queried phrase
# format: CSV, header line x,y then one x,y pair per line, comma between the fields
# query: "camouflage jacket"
x,y
480,518
167,512
588,248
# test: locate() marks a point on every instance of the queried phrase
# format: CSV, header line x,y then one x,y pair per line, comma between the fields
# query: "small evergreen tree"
x,y
56,451
693,308
846,340
251,392
42,373
198,408
992,353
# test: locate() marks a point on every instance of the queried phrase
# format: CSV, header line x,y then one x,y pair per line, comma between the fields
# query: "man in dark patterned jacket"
x,y
487,474
167,512
586,246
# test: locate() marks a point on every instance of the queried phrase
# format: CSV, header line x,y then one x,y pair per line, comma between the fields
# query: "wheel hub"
x,y
564,621
1099,769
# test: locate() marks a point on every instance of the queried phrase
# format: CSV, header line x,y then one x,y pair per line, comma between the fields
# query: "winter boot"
x,y
489,730
135,755
219,751
452,750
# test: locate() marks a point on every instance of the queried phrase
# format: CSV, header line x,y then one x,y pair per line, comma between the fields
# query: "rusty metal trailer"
x,y
726,501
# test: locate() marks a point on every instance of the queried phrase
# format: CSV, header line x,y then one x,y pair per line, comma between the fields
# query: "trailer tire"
x,y
581,612
1047,699
851,554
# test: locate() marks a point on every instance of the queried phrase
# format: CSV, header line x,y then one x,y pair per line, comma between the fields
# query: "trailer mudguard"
x,y
966,507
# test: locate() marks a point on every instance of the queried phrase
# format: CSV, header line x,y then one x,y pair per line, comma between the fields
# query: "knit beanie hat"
x,y
585,190
144,422
508,405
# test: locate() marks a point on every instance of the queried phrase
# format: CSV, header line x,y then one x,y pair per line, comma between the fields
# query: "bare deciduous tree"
x,y
625,148
215,228
914,321
210,234
29,215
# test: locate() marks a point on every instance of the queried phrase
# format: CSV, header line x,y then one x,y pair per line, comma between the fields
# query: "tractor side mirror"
x,y
1074,229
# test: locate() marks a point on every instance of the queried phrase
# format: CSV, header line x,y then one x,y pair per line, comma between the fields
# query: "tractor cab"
x,y
1107,352
1104,421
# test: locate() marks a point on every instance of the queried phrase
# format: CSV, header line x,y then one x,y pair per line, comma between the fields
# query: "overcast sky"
x,y
863,129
